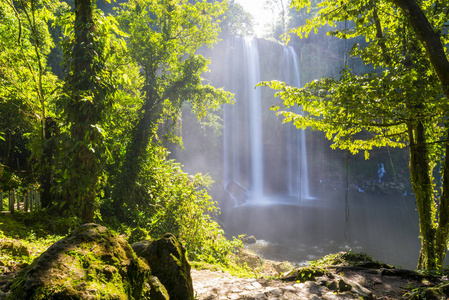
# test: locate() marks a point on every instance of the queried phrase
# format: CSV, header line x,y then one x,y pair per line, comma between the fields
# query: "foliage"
x,y
9,180
278,26
163,39
138,234
123,79
309,274
236,21
400,103
28,235
168,200
26,87
360,113
95,69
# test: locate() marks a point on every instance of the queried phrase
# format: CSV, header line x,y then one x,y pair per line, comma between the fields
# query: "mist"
x,y
300,199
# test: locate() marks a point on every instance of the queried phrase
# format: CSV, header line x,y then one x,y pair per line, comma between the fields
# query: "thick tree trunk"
x,y
420,177
83,114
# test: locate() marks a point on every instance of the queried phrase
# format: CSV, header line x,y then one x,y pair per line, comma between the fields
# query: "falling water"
x,y
243,149
297,170
244,167
251,57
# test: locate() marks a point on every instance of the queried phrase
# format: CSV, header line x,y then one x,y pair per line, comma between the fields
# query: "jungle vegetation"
x,y
88,95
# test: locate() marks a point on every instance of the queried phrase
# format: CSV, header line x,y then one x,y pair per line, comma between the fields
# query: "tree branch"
x,y
430,38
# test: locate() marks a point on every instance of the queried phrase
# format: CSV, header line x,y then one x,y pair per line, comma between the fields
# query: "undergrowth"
x,y
24,236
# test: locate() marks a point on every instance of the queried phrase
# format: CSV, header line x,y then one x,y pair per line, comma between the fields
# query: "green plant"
x,y
168,200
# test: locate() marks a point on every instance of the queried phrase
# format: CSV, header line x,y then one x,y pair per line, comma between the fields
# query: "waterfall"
x,y
297,169
244,167
243,149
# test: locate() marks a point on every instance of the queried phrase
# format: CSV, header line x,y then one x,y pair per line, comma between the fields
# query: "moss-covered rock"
x,y
309,273
90,263
362,260
168,262
436,292
249,258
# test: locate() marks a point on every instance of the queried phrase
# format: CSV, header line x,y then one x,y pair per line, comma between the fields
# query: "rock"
x,y
158,291
309,274
168,262
332,285
282,267
343,286
249,239
237,192
249,258
346,285
361,260
363,292
90,263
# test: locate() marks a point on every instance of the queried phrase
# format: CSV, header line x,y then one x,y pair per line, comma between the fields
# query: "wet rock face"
x,y
168,262
90,263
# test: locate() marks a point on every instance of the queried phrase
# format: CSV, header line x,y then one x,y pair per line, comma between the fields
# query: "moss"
x,y
14,247
349,259
167,260
90,263
438,292
158,291
309,274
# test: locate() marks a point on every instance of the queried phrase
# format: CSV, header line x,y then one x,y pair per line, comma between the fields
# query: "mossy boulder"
x,y
361,260
168,262
90,263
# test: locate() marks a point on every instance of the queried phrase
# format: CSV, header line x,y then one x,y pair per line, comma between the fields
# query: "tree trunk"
x,y
430,38
420,177
135,152
82,186
46,176
443,214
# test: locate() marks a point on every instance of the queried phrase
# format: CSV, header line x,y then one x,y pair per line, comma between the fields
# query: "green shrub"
x,y
168,200
138,234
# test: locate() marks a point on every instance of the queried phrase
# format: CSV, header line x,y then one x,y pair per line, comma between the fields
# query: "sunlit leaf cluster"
x,y
402,102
